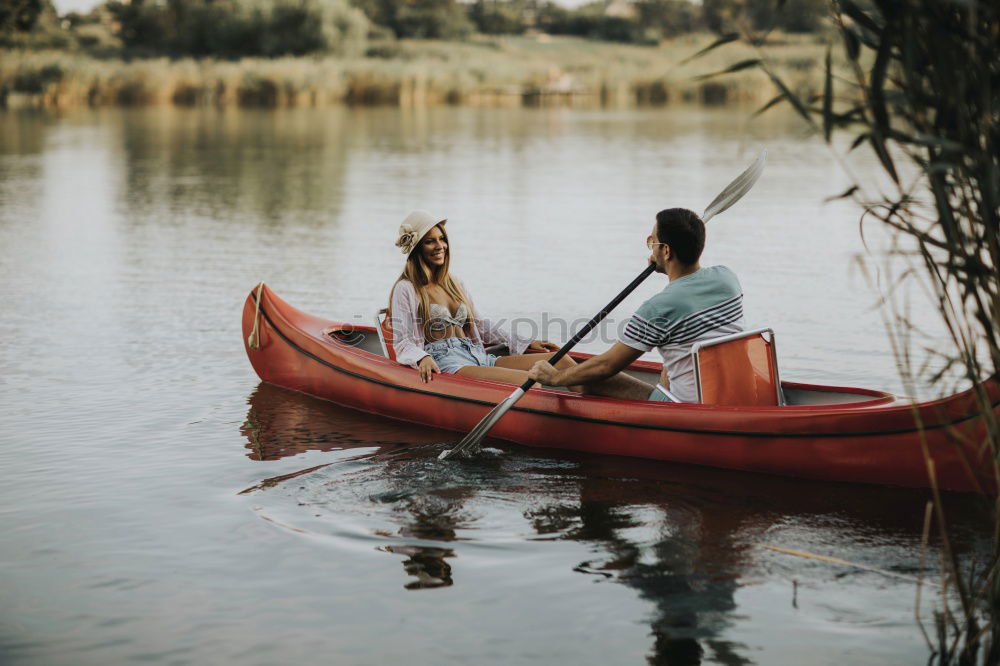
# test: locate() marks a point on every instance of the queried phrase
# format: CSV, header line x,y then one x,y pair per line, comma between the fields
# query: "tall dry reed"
x,y
484,71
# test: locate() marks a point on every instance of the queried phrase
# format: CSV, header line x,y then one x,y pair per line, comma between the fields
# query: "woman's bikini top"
x,y
442,319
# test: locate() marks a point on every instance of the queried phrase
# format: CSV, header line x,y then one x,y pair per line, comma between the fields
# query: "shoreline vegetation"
x,y
481,70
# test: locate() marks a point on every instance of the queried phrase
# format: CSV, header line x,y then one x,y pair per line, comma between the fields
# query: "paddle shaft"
x,y
582,333
730,195
471,441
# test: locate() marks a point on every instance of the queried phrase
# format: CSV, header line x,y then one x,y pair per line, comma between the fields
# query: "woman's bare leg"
x,y
525,361
497,374
513,369
617,386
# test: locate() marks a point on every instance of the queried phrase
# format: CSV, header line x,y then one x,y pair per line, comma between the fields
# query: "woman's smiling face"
x,y
434,247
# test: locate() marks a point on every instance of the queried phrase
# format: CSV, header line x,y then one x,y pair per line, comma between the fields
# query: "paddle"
x,y
730,195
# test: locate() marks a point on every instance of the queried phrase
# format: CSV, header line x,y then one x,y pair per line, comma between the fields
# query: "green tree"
x,y
32,24
551,17
724,16
592,20
431,19
669,17
20,15
421,19
235,28
498,17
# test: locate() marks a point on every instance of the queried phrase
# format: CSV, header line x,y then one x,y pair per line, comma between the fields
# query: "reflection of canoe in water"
x,y
824,432
282,423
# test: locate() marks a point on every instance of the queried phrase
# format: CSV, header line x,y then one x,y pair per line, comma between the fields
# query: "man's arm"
x,y
592,370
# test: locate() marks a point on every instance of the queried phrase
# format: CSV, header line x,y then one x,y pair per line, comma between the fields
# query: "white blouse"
x,y
408,335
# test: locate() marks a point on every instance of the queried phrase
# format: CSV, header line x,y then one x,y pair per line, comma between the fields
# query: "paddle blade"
x,y
470,443
736,189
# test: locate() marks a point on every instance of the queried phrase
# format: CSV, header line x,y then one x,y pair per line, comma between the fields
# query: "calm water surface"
x,y
160,505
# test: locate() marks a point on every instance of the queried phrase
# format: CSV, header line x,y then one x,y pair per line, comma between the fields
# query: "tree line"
x,y
237,28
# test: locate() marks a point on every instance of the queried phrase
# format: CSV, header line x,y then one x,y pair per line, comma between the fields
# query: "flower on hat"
x,y
407,238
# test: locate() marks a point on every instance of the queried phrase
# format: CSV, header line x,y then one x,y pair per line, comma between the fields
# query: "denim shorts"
x,y
450,354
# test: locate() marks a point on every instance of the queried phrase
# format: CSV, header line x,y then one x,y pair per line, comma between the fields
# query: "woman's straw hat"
x,y
413,229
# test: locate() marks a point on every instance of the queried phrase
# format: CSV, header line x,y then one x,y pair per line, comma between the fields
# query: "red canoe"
x,y
824,432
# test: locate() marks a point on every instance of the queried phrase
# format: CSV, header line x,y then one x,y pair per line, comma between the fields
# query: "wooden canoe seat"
x,y
738,370
383,324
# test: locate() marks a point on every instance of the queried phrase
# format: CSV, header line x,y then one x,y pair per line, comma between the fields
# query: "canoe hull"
x,y
873,441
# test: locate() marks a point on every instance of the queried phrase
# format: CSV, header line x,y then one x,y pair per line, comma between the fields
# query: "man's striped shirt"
x,y
705,304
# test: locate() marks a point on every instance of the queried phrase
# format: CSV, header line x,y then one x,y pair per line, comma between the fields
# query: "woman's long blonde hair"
x,y
420,274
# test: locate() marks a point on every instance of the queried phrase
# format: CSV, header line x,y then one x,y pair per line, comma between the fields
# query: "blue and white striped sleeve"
x,y
645,333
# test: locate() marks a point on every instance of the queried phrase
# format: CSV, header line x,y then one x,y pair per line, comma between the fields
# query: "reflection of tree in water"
x,y
25,134
260,165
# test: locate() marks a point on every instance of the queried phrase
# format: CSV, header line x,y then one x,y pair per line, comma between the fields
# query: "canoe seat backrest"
x,y
739,370
383,324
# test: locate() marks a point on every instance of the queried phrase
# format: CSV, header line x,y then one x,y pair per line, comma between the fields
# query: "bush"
x,y
37,81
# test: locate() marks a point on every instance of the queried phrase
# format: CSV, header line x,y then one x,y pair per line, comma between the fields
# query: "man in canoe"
x,y
697,304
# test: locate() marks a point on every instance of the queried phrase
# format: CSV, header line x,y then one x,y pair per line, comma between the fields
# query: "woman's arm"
x,y
407,331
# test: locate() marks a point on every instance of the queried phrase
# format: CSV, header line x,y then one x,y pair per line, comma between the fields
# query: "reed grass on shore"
x,y
481,71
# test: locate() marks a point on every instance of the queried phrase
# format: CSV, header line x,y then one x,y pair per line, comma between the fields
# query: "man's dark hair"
x,y
683,231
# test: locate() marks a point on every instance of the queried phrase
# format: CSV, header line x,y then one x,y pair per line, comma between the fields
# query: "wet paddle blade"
x,y
470,443
736,189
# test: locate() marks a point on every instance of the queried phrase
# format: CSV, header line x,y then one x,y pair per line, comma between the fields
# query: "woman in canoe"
x,y
435,325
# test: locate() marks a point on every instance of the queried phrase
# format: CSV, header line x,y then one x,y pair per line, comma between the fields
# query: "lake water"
x,y
152,504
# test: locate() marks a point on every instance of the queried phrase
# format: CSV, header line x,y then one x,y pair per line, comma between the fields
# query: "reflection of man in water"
x,y
687,574
427,565
431,513
283,423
